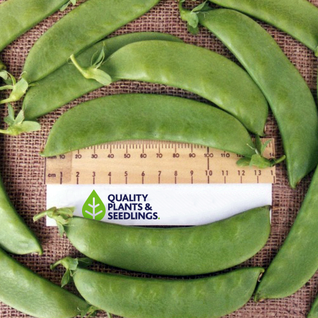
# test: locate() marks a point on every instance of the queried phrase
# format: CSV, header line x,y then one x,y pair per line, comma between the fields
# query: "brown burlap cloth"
x,y
23,169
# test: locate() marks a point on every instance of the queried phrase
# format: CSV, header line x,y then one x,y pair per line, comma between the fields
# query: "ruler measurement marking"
x,y
77,167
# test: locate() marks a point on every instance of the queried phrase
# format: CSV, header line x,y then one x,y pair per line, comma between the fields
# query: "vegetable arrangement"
x,y
152,57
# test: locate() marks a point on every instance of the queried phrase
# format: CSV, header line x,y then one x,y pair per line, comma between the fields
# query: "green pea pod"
x,y
18,16
146,116
2,66
299,18
168,251
31,294
286,91
212,76
82,27
314,310
15,236
66,83
3,73
135,297
297,260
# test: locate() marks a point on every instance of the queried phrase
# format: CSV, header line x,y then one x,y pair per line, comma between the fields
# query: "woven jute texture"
x,y
23,169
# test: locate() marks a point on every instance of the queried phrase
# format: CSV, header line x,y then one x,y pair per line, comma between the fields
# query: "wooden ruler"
x,y
153,162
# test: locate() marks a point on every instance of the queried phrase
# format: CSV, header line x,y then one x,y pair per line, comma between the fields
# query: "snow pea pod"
x,y
297,260
82,27
29,293
213,77
286,91
66,83
142,116
298,18
135,297
314,310
168,251
18,16
15,236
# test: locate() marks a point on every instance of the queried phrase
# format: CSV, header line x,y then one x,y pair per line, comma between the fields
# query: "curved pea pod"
x,y
146,116
82,27
211,76
18,16
297,260
313,313
67,83
31,294
286,91
168,251
135,297
15,236
299,18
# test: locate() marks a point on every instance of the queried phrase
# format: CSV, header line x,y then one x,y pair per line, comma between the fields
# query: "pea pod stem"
x,y
92,72
134,297
31,294
288,95
173,251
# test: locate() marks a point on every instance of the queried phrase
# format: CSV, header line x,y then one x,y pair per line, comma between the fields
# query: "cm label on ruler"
x,y
153,162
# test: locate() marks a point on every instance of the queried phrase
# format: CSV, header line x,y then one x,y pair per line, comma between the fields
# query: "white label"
x,y
169,204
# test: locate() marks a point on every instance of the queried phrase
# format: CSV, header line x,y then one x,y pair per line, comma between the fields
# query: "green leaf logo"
x,y
94,207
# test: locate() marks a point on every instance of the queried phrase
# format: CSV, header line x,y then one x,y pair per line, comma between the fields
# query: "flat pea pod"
x,y
297,260
135,297
286,91
15,236
169,251
18,16
146,116
31,294
298,18
82,27
66,83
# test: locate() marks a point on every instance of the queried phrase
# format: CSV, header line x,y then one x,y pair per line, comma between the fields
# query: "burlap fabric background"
x,y
23,169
